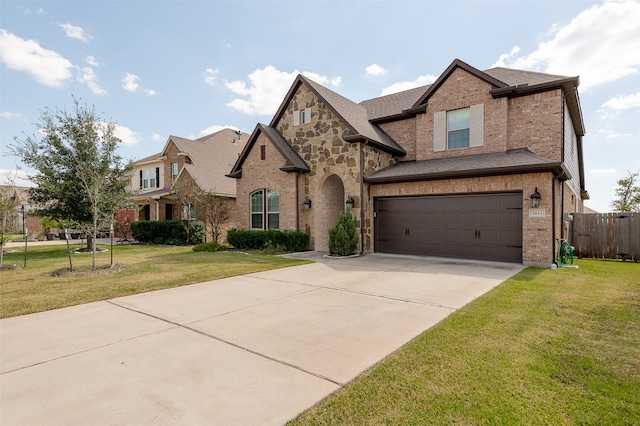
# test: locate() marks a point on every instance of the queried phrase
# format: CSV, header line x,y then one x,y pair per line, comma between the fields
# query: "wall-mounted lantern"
x,y
307,203
350,202
535,199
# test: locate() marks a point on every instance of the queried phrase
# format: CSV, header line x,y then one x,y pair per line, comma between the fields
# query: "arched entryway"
x,y
332,196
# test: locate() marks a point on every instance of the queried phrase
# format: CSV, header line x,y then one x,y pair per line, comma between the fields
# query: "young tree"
x,y
185,191
343,238
79,176
628,194
213,210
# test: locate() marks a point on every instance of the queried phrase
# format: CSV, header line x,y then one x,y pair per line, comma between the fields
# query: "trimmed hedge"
x,y
257,240
167,232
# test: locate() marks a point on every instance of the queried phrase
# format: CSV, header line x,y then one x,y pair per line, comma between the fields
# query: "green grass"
x,y
144,268
544,348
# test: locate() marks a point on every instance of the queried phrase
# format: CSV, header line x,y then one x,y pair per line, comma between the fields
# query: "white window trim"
x,y
301,117
265,212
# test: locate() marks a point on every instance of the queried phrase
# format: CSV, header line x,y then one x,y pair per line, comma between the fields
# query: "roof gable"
x,y
353,116
292,160
422,101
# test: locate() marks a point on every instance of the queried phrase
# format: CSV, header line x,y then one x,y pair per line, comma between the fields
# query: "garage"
x,y
478,226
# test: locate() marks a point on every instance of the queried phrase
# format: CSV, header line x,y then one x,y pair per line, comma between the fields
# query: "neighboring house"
x,y
440,170
201,163
23,215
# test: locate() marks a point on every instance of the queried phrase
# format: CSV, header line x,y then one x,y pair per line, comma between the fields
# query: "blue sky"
x,y
189,68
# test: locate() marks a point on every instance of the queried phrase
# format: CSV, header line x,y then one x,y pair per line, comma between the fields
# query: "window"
x,y
189,211
302,117
269,210
174,171
458,128
273,209
257,210
263,152
150,178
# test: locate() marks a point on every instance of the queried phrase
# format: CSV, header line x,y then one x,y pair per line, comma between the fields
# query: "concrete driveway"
x,y
254,349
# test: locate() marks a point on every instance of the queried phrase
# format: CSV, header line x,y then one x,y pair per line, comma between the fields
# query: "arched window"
x,y
265,215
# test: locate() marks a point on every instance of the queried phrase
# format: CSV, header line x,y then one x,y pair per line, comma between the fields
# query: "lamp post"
x,y
111,236
25,231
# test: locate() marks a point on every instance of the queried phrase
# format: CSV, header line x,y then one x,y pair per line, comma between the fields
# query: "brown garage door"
x,y
482,226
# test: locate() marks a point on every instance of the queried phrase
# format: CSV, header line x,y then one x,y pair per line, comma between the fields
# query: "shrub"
x,y
343,238
212,246
168,232
246,239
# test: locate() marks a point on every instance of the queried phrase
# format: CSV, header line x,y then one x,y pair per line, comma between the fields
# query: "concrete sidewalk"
x,y
253,349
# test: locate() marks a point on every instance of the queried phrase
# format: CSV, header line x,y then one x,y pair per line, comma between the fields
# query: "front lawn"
x,y
143,268
544,348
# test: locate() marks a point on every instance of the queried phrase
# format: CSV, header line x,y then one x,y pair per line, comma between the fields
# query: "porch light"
x,y
535,199
307,203
350,202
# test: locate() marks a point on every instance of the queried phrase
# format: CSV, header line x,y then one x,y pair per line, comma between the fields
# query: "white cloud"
x,y
38,11
126,135
91,61
610,134
422,80
88,77
375,70
602,171
130,82
623,102
75,32
11,115
157,137
150,92
215,128
501,60
210,76
46,66
266,89
601,44
16,176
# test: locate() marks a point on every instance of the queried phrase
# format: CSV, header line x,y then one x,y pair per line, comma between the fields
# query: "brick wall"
x,y
462,90
266,174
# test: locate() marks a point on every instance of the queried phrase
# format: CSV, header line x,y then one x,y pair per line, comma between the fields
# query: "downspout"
x,y
297,203
362,197
553,219
562,183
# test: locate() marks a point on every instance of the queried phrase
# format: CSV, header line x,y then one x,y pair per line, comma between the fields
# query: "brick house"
x,y
446,169
198,164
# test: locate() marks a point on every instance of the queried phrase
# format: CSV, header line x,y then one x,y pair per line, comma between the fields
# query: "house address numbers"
x,y
537,212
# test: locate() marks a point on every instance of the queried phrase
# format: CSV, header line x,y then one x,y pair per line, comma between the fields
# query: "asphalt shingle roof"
x,y
212,156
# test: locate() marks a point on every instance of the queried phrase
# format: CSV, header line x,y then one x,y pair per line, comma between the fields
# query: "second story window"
x,y
174,171
150,178
458,128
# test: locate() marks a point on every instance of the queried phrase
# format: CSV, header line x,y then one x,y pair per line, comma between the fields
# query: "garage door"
x,y
483,226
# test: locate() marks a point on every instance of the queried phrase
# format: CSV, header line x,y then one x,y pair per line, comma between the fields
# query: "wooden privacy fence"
x,y
606,235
